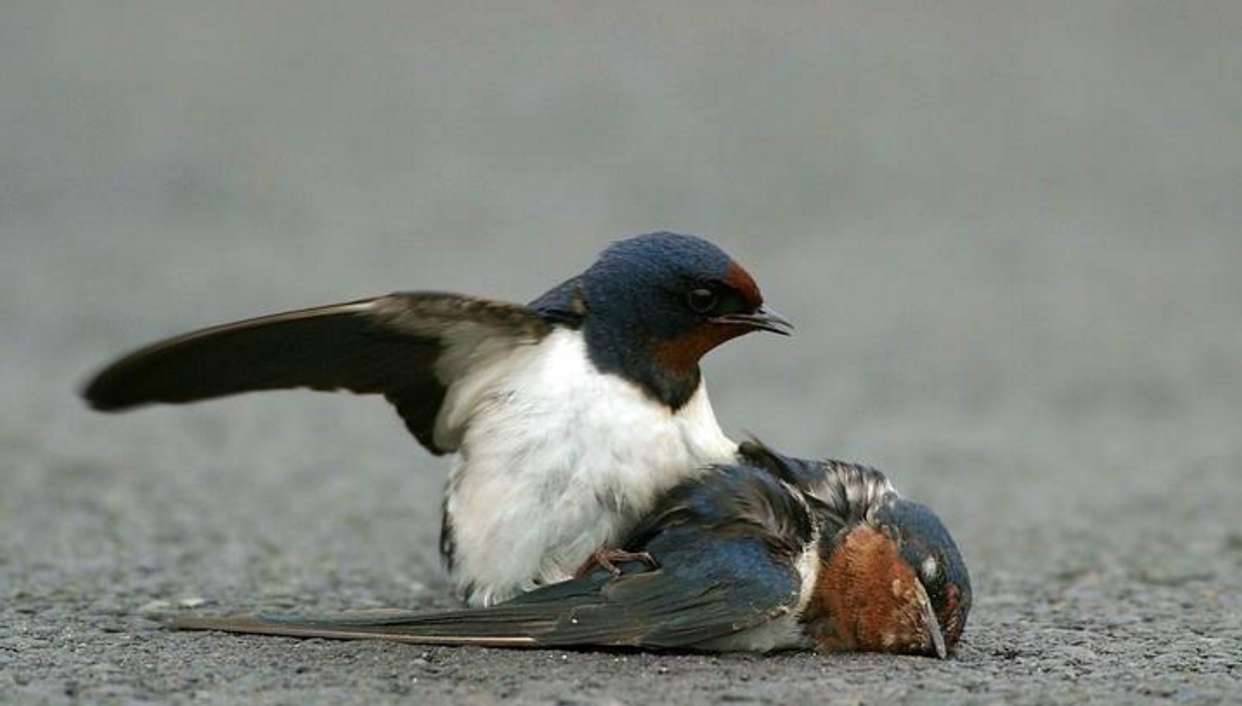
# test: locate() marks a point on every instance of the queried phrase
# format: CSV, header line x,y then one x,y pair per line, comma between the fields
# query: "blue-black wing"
x,y
727,563
402,346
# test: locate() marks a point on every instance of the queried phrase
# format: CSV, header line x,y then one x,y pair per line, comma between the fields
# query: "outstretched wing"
x,y
733,585
408,347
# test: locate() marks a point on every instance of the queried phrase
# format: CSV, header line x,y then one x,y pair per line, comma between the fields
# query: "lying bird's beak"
x,y
935,636
761,318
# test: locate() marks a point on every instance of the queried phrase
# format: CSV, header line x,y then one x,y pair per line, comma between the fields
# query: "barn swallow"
x,y
588,400
770,554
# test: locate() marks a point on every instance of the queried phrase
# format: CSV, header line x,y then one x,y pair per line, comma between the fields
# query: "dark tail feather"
x,y
396,626
546,617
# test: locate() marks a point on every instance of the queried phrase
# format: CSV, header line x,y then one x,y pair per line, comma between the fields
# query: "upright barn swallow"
x,y
588,400
772,554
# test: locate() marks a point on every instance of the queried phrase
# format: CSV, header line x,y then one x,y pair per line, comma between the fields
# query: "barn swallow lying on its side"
x,y
776,553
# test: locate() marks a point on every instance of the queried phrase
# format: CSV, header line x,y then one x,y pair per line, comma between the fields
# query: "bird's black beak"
x,y
760,319
935,636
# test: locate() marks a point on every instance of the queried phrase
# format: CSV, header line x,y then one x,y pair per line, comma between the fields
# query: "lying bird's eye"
x,y
702,300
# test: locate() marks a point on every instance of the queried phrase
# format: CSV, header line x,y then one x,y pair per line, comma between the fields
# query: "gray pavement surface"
x,y
1010,234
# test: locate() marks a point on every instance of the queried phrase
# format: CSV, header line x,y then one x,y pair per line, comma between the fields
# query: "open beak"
x,y
761,318
935,636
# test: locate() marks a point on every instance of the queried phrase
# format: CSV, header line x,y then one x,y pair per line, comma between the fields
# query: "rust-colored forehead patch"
x,y
740,280
952,618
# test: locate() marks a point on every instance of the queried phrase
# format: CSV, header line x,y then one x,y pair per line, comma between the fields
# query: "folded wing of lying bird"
x,y
777,553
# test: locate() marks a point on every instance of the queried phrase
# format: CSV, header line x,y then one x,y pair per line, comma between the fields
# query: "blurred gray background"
x,y
1010,235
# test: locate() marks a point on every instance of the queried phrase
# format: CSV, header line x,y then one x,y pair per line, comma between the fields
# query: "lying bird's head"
x,y
892,582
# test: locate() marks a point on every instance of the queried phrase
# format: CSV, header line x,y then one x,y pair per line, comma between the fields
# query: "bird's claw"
x,y
609,558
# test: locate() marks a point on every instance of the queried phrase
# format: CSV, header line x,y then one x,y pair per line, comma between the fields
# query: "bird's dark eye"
x,y
702,300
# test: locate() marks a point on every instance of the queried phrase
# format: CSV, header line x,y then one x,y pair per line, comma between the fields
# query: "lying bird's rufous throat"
x,y
866,598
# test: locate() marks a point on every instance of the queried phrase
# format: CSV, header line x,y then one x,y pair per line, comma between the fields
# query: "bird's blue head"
x,y
894,583
652,306
926,547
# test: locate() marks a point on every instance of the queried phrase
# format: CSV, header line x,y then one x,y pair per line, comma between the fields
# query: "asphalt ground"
x,y
1047,355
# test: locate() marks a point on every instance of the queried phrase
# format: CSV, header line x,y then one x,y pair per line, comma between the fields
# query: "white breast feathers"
x,y
558,460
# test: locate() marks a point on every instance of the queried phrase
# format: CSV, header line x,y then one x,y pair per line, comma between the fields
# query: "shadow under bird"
x,y
770,554
588,400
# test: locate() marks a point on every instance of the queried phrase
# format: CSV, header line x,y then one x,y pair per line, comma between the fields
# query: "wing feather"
x,y
653,609
409,347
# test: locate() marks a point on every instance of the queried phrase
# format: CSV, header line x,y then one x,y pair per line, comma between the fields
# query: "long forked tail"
x,y
396,626
644,608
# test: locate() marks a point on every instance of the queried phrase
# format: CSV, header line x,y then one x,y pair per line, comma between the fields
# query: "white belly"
x,y
558,460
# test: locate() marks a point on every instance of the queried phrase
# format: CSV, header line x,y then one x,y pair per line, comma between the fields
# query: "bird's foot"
x,y
609,558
